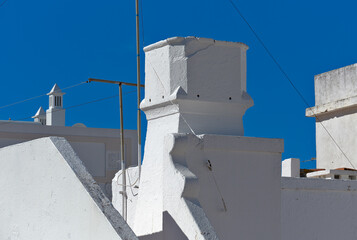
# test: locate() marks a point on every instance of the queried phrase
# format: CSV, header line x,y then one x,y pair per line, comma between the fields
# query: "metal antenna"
x,y
123,162
123,167
138,84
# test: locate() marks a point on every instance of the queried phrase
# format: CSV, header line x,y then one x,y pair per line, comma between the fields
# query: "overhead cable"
x,y
42,95
288,78
3,3
73,106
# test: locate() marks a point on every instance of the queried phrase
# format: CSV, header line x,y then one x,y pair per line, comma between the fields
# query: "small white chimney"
x,y
290,167
40,116
55,114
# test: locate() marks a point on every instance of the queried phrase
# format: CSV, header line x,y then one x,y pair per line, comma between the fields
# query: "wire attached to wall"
x,y
210,168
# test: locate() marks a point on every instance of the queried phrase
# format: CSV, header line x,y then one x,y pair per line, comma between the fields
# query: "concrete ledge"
x,y
26,128
342,104
313,184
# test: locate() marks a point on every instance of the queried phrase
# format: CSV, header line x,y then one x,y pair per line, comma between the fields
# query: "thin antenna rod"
x,y
138,84
123,167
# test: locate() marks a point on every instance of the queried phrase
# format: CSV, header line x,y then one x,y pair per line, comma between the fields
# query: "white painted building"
x,y
201,178
336,110
197,165
98,148
322,206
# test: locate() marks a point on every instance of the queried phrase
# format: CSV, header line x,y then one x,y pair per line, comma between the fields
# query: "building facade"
x,y
98,148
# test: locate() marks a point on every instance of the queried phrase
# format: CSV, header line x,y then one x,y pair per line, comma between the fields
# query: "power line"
x,y
42,95
70,107
3,3
287,77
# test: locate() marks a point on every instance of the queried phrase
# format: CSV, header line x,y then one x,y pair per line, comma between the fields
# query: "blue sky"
x,y
65,42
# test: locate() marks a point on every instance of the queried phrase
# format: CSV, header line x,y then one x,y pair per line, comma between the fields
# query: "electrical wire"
x,y
3,3
70,107
210,168
130,185
42,95
288,78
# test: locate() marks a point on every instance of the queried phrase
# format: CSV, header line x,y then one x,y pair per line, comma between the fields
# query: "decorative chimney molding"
x,y
193,85
198,78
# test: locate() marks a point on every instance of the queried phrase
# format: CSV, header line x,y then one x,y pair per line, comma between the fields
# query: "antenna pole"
x,y
138,84
123,167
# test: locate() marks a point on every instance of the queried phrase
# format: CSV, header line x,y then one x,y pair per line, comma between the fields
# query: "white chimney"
x,y
40,116
55,115
191,85
203,78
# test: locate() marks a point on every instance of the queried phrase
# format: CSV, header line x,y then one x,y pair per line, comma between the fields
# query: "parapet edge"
x,y
182,40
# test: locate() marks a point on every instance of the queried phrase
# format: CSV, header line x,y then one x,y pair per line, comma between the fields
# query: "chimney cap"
x,y
56,91
184,40
40,113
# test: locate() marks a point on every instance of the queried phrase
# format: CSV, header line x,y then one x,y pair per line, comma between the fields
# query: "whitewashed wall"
x,y
314,209
46,193
336,108
98,148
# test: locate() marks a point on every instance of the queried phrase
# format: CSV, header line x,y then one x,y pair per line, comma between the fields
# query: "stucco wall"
x,y
336,84
213,187
46,193
314,209
340,125
335,111
98,148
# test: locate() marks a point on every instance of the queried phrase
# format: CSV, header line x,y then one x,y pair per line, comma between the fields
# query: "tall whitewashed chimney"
x,y
55,114
200,81
192,85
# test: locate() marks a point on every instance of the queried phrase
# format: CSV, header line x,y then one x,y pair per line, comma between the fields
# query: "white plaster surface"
x,y
342,127
190,84
336,85
191,197
56,117
170,231
46,193
132,175
290,167
55,114
93,153
245,172
318,209
98,148
336,112
201,78
330,174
